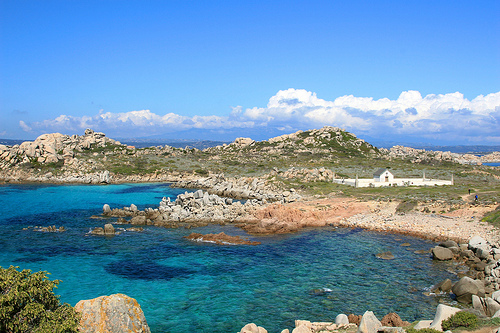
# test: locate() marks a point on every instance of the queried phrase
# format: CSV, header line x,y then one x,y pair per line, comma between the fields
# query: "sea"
x,y
184,286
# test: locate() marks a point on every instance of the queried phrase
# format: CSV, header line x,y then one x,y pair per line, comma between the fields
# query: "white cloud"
x,y
24,126
432,117
410,114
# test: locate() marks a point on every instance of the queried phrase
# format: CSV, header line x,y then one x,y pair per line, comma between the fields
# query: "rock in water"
x,y
252,328
442,253
444,286
385,255
115,313
106,210
109,229
369,323
464,289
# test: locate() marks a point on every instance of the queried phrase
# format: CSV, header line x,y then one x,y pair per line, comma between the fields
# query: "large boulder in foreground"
x,y
369,323
108,314
465,288
252,328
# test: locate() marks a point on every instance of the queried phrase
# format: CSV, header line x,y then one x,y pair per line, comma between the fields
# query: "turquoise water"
x,y
195,287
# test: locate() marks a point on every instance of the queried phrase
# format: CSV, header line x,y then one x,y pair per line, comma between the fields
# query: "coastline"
x,y
459,224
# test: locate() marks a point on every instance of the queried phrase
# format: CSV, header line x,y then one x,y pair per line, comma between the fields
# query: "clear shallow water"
x,y
186,287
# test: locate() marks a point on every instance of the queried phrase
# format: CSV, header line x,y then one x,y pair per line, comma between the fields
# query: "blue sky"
x,y
407,71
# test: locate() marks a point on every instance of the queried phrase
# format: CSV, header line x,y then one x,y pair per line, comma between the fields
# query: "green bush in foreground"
x,y
28,304
460,319
423,330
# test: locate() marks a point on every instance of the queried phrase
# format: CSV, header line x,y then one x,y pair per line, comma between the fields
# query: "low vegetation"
x,y
28,304
462,319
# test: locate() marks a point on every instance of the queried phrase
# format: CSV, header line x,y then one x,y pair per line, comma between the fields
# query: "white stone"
x,y
443,312
369,323
341,319
423,324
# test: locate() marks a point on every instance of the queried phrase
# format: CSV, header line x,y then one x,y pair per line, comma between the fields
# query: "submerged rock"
x,y
220,238
385,255
51,228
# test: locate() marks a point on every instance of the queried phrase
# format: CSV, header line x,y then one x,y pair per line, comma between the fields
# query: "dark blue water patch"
x,y
42,249
142,188
492,164
31,259
148,270
63,218
29,187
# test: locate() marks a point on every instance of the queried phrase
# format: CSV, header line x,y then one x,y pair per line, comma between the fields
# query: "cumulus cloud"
x,y
433,116
24,126
438,117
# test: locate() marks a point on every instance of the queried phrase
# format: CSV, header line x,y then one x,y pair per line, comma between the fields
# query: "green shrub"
x,y
406,206
28,304
493,217
460,319
423,330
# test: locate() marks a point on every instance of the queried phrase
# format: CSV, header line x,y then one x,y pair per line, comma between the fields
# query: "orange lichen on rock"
x,y
279,218
108,314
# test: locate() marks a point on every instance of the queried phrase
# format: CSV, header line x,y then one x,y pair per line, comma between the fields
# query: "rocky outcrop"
x,y
307,175
252,328
51,228
109,314
220,239
425,156
52,148
487,306
107,230
391,323
240,188
482,279
332,139
189,209
483,276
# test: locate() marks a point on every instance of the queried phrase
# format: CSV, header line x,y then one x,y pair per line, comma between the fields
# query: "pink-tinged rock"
x,y
110,314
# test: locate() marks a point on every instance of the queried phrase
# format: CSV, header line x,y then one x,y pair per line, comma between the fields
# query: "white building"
x,y
383,175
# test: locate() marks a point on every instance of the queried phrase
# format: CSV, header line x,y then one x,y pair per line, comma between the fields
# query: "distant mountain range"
x,y
180,143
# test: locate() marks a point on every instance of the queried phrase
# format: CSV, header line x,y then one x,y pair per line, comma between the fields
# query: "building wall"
x,y
383,176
